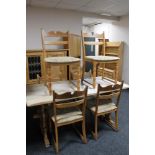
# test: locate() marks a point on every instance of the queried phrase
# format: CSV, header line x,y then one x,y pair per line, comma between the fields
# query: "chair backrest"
x,y
58,40
109,92
69,100
117,90
99,40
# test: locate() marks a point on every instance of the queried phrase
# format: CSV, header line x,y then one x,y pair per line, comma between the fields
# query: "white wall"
x,y
53,19
118,31
49,19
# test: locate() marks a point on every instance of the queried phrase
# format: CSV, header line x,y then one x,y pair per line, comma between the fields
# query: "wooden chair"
x,y
68,109
99,66
55,44
109,70
55,41
107,101
98,40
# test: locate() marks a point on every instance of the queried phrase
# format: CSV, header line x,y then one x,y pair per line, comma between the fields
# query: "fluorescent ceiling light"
x,y
106,14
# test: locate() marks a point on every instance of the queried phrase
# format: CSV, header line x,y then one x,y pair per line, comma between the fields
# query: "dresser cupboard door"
x,y
34,67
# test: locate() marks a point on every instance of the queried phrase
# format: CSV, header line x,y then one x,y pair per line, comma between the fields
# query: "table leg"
x,y
76,75
44,127
94,74
83,69
49,83
103,66
116,72
78,78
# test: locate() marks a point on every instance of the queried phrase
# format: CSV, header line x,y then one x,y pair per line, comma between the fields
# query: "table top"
x,y
38,94
61,60
102,58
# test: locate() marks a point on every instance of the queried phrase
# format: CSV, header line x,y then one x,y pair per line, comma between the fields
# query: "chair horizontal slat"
x,y
109,70
116,93
56,42
105,92
93,43
56,34
99,36
106,89
69,95
105,96
69,104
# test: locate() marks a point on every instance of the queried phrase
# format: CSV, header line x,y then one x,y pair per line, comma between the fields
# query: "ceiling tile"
x,y
71,4
99,4
76,2
118,9
67,6
113,7
44,3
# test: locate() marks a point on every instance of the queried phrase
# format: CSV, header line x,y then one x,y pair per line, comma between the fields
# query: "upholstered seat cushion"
x,y
68,115
102,58
103,107
59,60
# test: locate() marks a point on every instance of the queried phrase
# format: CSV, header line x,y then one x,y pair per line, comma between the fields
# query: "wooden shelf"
x,y
112,54
113,44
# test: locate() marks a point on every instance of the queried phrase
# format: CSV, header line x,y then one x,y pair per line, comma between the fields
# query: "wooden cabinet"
x,y
113,49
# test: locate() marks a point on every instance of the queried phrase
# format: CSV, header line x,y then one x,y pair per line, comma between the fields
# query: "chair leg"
x,y
102,72
114,75
95,135
116,120
56,139
111,123
84,132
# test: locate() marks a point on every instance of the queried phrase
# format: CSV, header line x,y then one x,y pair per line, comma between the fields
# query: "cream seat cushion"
x,y
68,116
102,58
59,60
104,107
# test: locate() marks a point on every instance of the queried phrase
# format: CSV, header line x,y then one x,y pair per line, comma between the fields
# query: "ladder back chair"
x,y
98,40
68,109
108,69
107,101
59,40
57,60
55,44
97,60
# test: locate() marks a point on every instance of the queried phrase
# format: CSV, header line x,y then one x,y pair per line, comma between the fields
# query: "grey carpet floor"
x,y
108,143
